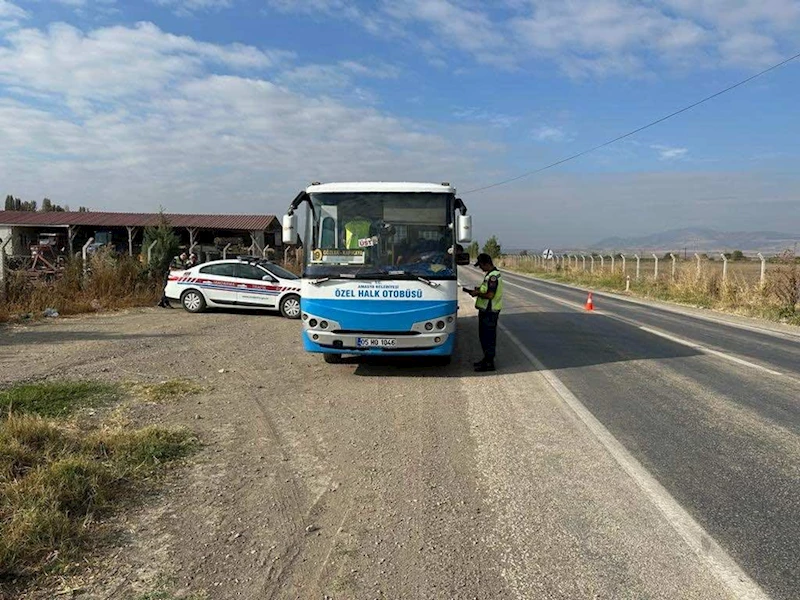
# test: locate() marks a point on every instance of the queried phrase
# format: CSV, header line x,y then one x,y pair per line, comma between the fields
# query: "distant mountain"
x,y
703,240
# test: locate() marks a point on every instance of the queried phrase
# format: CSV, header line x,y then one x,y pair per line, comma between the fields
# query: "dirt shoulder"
x,y
362,480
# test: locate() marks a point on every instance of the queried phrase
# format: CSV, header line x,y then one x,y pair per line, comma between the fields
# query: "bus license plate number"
x,y
376,342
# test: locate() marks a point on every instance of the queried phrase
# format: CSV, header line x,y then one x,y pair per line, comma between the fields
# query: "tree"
x,y
738,255
474,249
47,205
9,202
492,247
83,209
523,253
166,244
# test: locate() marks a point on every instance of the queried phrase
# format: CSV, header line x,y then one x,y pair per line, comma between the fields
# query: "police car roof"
x,y
380,186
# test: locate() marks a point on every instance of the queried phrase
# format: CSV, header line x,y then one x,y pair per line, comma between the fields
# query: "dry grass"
x,y
57,477
741,293
167,390
113,282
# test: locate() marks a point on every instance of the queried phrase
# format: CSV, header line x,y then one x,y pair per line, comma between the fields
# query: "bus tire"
x,y
332,359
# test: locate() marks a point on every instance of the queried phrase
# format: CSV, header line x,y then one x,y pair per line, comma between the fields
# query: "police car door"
x,y
256,287
218,283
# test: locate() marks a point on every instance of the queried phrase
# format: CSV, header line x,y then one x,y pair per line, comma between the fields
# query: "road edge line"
x,y
718,561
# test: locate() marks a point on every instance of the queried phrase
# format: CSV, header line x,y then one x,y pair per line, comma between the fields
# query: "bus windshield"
x,y
377,234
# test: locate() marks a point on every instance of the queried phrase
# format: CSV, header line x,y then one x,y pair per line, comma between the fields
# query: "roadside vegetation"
x,y
62,470
112,282
777,300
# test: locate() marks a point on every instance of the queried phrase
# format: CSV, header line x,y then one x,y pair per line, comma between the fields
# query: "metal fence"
x,y
751,269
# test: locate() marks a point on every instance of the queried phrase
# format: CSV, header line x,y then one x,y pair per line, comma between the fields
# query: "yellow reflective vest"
x,y
496,303
354,231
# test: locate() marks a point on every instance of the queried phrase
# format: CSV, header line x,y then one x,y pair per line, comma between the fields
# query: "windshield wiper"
x,y
433,284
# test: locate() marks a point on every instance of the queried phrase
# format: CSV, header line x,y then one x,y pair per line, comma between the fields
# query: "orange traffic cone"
x,y
589,302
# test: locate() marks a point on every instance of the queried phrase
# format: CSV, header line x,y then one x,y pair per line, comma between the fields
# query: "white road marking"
x,y
678,310
677,340
721,565
690,344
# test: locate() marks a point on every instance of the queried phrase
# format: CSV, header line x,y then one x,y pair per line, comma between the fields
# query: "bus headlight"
x,y
428,326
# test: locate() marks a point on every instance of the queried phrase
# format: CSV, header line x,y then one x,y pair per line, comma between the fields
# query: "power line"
x,y
635,131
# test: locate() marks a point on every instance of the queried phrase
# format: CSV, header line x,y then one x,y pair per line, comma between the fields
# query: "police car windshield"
x,y
402,235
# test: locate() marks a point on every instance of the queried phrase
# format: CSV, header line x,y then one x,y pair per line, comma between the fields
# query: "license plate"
x,y
376,342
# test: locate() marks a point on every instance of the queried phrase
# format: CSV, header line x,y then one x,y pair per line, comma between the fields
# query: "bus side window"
x,y
327,233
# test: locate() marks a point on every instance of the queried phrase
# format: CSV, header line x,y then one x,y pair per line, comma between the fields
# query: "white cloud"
x,y
11,11
116,61
189,7
338,75
598,38
547,133
480,115
133,117
670,152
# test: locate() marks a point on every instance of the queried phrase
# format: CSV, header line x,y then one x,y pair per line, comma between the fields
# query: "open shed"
x,y
206,234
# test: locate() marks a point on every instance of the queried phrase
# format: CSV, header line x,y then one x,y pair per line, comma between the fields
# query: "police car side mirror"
x,y
463,258
268,278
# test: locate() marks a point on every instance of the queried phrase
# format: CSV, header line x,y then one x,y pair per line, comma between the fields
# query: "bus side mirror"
x,y
464,229
463,258
290,229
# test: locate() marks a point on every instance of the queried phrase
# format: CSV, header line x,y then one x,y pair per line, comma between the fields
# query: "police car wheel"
x,y
290,306
193,301
332,359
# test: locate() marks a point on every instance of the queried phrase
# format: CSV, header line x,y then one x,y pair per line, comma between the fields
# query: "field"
x,y
708,283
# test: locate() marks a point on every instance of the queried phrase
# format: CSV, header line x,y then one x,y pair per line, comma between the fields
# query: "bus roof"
x,y
380,186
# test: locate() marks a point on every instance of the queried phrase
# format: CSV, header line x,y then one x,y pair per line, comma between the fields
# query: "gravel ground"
x,y
361,480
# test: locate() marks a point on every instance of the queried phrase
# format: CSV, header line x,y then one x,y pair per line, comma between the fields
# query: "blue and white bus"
x,y
380,264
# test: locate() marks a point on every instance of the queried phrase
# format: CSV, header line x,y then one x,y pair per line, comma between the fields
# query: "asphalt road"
x,y
711,410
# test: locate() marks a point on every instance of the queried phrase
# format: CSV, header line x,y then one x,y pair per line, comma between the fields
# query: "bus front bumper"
x,y
440,343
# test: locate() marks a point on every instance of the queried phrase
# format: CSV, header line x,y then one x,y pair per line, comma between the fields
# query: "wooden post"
x,y
131,231
3,289
763,280
72,233
192,238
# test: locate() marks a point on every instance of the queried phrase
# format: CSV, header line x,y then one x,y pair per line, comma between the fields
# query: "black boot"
x,y
486,367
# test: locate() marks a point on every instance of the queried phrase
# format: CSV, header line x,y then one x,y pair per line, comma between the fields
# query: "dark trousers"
x,y
164,299
487,331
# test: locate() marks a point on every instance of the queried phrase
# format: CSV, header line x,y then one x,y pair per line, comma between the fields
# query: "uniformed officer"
x,y
489,302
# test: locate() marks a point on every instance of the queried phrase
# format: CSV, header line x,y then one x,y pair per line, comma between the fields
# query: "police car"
x,y
243,282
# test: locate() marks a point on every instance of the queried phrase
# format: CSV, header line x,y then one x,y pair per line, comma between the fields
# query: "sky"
x,y
233,106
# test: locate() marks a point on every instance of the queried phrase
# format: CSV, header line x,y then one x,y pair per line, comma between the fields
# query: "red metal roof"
x,y
118,219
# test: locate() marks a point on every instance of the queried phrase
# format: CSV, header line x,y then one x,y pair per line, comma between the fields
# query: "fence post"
x,y
627,283
602,263
150,252
763,279
697,256
83,256
612,263
564,259
636,256
624,267
672,256
724,268
225,251
583,257
591,268
655,273
3,289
